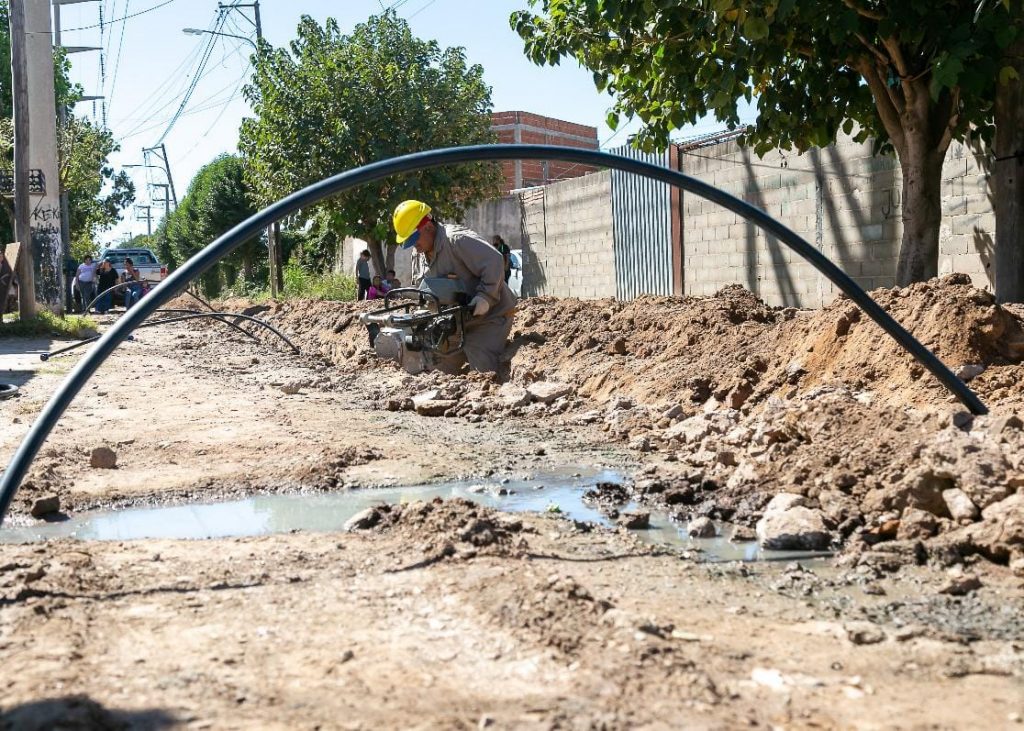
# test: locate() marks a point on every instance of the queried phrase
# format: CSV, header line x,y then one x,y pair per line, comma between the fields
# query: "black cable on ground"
x,y
311,195
219,316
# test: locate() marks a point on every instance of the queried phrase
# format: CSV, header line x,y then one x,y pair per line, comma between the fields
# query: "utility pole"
x,y
161,154
149,218
274,229
19,91
46,243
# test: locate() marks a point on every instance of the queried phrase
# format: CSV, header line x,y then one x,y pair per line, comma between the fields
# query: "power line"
x,y
119,20
427,5
117,63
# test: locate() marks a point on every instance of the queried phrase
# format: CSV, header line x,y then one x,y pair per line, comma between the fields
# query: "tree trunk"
x,y
1008,181
376,255
247,265
390,263
922,211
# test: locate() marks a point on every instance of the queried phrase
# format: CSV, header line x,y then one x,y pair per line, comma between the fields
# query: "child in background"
x,y
376,290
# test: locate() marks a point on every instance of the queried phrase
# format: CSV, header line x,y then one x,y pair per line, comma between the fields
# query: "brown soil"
x,y
449,615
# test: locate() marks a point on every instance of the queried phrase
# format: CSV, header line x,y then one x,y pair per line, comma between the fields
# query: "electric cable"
x,y
120,20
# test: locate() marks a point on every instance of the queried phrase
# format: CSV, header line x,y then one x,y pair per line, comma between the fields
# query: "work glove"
x,y
480,306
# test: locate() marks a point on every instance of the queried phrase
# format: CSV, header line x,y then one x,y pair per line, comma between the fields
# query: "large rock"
x,y
434,407
48,505
701,528
789,525
103,458
363,519
959,505
512,395
548,391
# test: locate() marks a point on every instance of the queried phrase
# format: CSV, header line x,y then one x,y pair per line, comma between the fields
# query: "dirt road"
x,y
448,615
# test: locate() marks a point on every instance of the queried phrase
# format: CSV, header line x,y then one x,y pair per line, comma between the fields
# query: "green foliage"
x,y
46,323
300,284
217,200
671,64
912,74
331,102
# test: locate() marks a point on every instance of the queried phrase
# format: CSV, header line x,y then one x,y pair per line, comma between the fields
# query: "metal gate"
x,y
642,229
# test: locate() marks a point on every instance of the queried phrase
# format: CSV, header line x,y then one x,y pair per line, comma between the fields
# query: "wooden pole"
x,y
22,229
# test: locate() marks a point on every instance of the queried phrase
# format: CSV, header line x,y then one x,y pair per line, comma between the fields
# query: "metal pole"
x,y
22,227
62,120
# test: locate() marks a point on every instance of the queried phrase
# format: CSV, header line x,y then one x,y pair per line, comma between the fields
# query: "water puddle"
x,y
324,512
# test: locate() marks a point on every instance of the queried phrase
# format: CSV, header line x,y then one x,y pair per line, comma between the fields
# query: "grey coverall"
x,y
481,269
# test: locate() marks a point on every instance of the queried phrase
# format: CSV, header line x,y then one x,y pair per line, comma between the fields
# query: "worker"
x,y
455,252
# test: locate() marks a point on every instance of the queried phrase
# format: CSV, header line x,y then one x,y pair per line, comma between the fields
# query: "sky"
x,y
148,66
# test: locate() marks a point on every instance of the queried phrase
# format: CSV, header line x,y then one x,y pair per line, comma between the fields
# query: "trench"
x,y
558,493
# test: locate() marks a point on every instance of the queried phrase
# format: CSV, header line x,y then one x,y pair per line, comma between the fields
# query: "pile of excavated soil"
x,y
733,402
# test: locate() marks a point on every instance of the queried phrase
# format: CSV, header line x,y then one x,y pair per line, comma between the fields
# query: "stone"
x,y
641,444
726,458
689,430
969,371
742,534
784,501
434,407
672,412
103,458
916,524
701,528
960,506
512,395
864,633
635,521
548,391
798,528
959,584
363,520
290,388
1003,424
431,395
739,395
48,505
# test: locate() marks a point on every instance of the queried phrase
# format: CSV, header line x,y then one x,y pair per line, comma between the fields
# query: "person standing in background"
x,y
506,253
86,276
363,274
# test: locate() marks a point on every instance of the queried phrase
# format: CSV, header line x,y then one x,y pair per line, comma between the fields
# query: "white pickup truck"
x,y
150,268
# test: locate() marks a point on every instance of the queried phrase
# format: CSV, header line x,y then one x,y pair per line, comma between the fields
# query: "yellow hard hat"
x,y
408,215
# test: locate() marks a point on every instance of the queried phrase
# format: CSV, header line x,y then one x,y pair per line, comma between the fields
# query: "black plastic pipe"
x,y
306,197
117,286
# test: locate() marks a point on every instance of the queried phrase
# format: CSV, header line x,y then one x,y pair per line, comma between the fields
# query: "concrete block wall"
x,y
967,236
572,247
837,199
842,199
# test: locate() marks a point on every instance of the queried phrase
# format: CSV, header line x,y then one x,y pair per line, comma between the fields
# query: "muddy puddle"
x,y
325,512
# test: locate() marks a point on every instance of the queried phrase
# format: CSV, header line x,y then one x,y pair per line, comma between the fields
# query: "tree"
x,y
217,200
333,102
914,75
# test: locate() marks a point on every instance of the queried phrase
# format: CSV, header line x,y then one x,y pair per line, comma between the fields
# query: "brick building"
x,y
534,129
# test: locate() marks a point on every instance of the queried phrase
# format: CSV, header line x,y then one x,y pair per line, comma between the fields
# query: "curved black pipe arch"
x,y
306,197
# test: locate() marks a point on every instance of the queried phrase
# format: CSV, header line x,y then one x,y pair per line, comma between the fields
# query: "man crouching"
x,y
455,252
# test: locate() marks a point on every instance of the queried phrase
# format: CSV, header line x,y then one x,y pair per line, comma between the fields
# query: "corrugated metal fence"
x,y
642,228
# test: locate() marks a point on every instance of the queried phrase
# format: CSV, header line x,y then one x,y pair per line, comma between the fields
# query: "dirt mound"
x,y
742,402
443,529
731,347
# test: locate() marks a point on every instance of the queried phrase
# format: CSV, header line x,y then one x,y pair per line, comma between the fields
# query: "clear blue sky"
x,y
149,63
